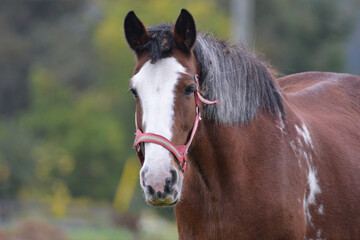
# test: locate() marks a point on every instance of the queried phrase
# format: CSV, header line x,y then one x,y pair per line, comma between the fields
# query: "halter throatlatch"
x,y
180,152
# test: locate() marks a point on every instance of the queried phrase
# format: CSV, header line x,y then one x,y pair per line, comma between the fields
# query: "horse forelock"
x,y
161,41
241,82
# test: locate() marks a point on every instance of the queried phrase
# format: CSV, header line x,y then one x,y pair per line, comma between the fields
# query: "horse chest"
x,y
245,215
246,225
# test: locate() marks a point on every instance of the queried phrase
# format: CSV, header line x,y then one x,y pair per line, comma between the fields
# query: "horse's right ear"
x,y
135,31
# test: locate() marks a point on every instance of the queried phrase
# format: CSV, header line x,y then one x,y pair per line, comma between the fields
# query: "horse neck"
x,y
220,163
221,153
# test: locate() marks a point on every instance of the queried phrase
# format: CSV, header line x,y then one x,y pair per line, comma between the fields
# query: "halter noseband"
x,y
179,152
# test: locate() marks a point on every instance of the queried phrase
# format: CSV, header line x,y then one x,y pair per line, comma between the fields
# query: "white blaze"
x,y
155,85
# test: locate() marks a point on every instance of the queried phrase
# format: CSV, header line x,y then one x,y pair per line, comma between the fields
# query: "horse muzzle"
x,y
159,190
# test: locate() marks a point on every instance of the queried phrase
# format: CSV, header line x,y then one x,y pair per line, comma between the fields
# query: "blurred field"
x,y
44,231
29,220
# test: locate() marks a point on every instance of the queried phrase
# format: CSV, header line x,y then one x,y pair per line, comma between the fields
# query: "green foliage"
x,y
80,138
16,164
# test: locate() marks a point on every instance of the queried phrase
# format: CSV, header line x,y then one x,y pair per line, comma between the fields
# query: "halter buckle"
x,y
198,112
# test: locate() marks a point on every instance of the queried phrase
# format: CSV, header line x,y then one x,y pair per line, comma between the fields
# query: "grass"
x,y
100,234
86,222
120,234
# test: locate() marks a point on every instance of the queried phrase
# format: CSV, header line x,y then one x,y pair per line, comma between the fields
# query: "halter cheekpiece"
x,y
180,152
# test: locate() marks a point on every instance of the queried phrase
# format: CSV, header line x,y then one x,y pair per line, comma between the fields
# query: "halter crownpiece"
x,y
180,152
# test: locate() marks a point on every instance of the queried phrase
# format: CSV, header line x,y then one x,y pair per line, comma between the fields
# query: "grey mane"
x,y
240,81
237,78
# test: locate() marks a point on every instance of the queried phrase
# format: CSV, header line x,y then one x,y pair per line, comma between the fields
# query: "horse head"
x,y
164,85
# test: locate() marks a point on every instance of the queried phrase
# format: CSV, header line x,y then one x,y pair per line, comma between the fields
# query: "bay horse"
x,y
240,154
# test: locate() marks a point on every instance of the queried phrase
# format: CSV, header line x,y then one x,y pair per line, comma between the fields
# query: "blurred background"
x,y
67,169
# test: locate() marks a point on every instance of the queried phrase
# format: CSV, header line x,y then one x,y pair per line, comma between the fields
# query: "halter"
x,y
180,152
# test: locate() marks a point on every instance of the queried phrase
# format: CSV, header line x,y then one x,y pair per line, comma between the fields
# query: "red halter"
x,y
179,152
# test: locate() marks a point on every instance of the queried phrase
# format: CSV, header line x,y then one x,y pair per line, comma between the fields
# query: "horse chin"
x,y
162,203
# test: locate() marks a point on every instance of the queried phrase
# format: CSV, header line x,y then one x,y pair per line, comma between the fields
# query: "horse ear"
x,y
185,31
135,31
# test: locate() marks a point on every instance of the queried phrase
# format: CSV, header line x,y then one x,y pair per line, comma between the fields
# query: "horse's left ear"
x,y
185,31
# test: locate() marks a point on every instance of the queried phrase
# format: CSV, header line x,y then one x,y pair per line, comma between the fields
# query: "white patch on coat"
x,y
292,144
318,233
321,209
155,85
304,149
304,132
299,142
314,188
280,124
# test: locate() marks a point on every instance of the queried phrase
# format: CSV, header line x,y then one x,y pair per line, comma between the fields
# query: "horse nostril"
x,y
167,181
150,190
167,188
173,177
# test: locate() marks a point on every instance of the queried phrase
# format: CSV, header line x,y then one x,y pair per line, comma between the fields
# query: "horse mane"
x,y
230,73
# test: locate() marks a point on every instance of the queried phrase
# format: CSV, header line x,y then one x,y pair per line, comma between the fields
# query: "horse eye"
x,y
190,89
134,92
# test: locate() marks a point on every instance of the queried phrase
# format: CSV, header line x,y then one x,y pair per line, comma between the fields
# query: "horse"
x,y
237,152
